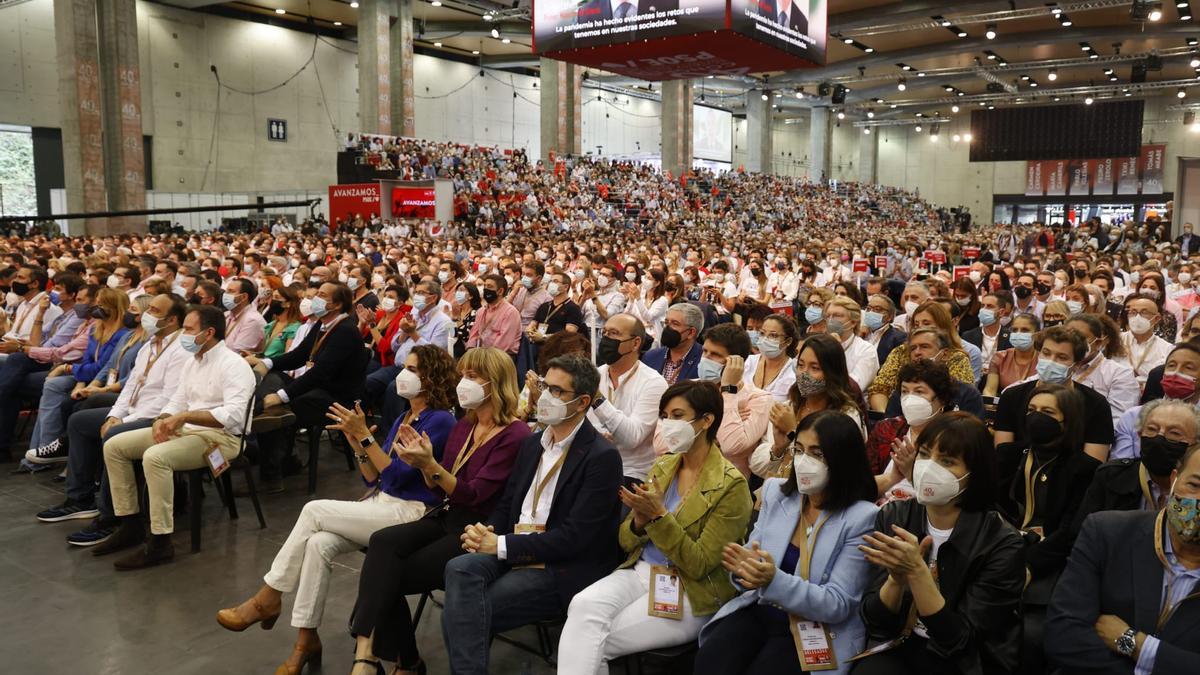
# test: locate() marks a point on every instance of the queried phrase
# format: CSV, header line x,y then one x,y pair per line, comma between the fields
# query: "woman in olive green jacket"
x,y
693,504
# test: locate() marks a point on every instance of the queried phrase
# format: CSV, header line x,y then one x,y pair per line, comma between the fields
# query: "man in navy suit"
x,y
622,9
554,530
1126,601
679,356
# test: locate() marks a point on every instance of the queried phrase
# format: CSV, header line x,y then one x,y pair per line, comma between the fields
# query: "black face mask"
x,y
1051,324
490,296
314,283
1160,455
82,311
1043,430
193,299
670,337
1023,292
608,351
276,307
99,313
20,288
130,320
1043,289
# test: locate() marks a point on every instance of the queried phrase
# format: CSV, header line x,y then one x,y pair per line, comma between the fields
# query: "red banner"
x,y
1056,178
1079,177
414,202
962,272
970,252
1151,165
348,201
860,265
1035,182
881,262
1120,175
1102,176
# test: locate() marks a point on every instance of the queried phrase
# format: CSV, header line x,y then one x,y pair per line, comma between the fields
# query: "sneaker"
x,y
93,534
51,453
70,510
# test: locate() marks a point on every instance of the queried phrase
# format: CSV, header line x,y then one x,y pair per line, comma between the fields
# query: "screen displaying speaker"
x,y
1057,132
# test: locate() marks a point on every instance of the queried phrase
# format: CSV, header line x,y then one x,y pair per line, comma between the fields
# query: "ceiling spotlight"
x,y
1024,78
1057,99
1192,42
932,137
967,137
337,23
1064,21
1156,12
991,31
1056,10
942,21
506,41
956,138
953,108
1085,46
765,96
904,66
867,131
892,106
800,94
353,5
1093,55
991,107
961,33
1182,93
1181,4
848,41
1195,62
281,11
917,128
869,50
495,33
1033,83
948,88
1003,63
475,52
841,115
437,44
879,101
436,3
902,84
920,114
1089,100
1053,75
1108,71
870,114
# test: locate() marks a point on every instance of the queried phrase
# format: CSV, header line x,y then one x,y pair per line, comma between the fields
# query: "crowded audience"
x,y
743,417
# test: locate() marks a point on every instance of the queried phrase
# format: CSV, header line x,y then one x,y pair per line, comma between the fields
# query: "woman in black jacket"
x,y
947,586
1041,489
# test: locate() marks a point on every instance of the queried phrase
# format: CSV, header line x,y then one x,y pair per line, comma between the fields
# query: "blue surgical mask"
x,y
1021,341
987,317
418,302
229,300
188,343
1052,372
874,320
318,306
814,314
709,370
770,348
754,337
527,282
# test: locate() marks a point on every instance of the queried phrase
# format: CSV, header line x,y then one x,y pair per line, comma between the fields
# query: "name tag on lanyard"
x,y
666,593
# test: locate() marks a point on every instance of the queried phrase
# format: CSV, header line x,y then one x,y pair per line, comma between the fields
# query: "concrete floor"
x,y
67,612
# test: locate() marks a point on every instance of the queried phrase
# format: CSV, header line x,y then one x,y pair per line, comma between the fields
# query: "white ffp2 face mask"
x,y
916,408
811,474
408,383
552,410
935,484
470,394
676,435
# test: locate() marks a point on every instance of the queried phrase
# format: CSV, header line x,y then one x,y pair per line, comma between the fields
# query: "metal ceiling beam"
x,y
510,61
902,12
1004,42
959,17
514,30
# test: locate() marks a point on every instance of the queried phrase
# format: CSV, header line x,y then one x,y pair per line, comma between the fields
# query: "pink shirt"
x,y
498,327
245,333
68,353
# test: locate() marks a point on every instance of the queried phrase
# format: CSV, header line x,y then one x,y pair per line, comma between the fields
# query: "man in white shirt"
x,y
1144,351
842,319
30,285
553,531
200,425
151,383
626,408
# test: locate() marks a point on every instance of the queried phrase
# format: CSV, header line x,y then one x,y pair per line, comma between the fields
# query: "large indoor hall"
x,y
577,337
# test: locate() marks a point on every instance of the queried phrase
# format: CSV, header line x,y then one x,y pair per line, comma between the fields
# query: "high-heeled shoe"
x,y
231,620
373,662
308,656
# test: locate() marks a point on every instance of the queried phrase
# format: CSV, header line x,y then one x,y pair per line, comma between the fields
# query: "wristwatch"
x,y
599,401
366,442
729,389
1127,643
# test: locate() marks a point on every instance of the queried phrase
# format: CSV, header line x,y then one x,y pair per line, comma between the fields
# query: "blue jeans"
x,y
21,378
87,457
485,596
56,398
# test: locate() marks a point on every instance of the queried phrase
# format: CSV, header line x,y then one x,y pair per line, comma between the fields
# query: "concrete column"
x,y
868,157
677,116
374,66
561,86
80,101
401,39
124,162
758,133
818,145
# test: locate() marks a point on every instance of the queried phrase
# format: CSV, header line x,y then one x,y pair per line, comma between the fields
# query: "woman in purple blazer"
x,y
411,558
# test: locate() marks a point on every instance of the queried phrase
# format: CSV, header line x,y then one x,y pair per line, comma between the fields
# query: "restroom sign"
x,y
277,130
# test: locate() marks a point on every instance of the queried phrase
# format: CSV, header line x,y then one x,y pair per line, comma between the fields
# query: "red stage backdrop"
x,y
345,201
414,202
682,39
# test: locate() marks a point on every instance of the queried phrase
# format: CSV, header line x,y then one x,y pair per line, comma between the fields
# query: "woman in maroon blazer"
x,y
411,558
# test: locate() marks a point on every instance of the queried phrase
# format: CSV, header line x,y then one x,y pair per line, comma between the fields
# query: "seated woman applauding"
x,y
694,503
807,602
945,594
328,528
468,480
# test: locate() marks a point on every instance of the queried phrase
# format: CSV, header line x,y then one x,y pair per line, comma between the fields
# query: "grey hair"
x,y
921,285
887,301
1167,403
692,315
585,378
431,287
942,338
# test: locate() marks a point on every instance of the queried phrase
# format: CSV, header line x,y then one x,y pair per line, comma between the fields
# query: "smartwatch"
x,y
366,442
729,389
598,402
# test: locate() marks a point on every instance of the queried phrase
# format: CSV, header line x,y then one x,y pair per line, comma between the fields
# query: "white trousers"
x,y
609,619
326,529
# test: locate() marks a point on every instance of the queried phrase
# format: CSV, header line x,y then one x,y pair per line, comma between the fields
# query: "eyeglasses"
x,y
1145,313
614,334
555,390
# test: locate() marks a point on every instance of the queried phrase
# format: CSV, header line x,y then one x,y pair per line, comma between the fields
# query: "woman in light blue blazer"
x,y
802,574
